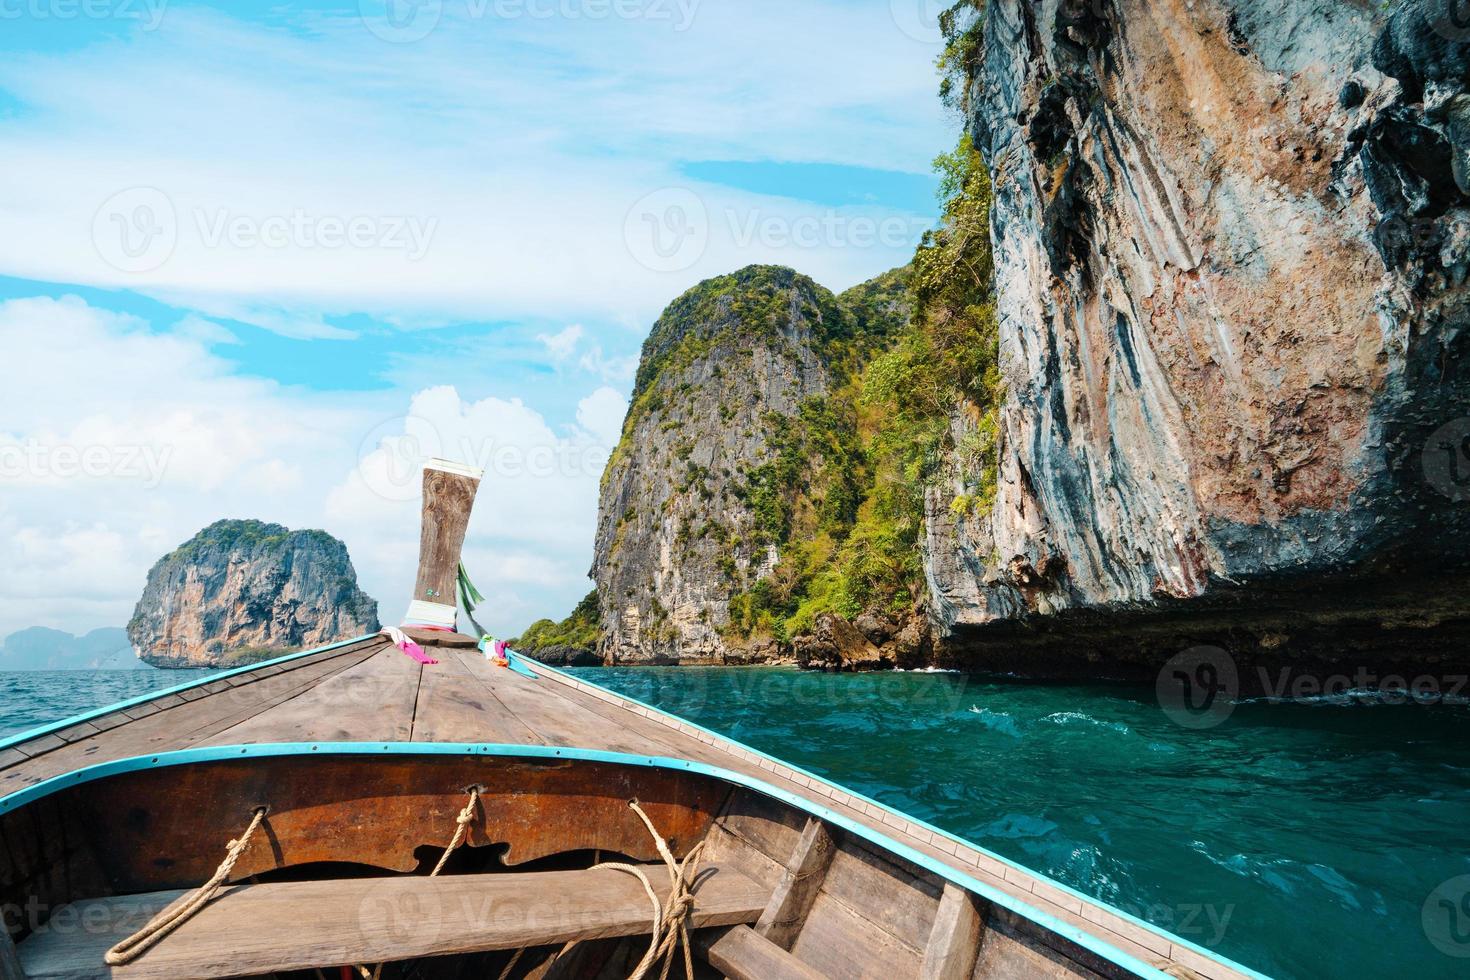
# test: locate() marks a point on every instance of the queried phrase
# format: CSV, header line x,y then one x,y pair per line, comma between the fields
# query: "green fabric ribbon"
x,y
469,597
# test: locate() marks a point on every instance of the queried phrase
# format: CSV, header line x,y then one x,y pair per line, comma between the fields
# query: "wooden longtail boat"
x,y
390,818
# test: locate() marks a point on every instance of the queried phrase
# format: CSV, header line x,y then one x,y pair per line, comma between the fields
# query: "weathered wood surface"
x,y
179,721
371,702
260,929
448,500
954,943
741,953
793,897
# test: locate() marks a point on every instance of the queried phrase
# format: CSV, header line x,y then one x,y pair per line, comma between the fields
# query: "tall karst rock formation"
x,y
1231,242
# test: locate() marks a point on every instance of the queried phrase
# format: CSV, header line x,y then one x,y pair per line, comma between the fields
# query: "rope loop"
x,y
186,907
671,918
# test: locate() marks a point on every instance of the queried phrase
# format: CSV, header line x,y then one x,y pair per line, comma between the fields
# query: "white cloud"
x,y
562,344
484,172
79,544
601,413
610,369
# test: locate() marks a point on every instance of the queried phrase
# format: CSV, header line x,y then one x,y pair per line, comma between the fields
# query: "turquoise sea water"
x,y
1301,839
1318,839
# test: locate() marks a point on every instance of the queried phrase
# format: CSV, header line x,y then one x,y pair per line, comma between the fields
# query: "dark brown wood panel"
x,y
166,828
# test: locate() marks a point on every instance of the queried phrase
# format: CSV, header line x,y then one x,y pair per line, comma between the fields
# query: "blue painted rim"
x,y
1088,899
222,753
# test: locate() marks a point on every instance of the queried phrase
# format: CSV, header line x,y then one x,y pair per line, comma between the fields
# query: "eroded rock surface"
x,y
1231,247
242,590
677,529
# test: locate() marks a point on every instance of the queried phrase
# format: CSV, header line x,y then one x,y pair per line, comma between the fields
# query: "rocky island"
x,y
241,591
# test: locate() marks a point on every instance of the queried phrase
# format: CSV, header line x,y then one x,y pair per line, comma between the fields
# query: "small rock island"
x,y
243,590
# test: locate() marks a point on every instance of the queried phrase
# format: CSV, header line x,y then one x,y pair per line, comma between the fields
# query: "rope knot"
x,y
671,918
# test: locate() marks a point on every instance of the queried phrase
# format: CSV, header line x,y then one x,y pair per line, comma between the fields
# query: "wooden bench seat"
x,y
741,953
256,929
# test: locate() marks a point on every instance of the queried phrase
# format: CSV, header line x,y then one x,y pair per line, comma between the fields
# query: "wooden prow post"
x,y
449,496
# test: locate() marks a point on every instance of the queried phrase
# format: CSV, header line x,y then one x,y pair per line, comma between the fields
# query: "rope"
x,y
463,820
181,911
461,829
671,920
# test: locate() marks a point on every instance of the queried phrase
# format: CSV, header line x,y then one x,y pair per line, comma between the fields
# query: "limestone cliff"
x,y
1231,243
243,590
730,452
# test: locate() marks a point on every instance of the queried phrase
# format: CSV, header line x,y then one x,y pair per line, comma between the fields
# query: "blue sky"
x,y
278,250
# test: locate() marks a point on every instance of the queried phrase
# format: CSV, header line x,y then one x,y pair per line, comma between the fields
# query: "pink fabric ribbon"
x,y
401,641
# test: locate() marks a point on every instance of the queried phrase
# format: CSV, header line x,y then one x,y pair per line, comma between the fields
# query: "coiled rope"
x,y
671,919
186,907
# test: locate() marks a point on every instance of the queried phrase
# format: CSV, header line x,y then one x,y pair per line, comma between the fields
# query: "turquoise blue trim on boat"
x,y
1090,900
277,750
57,726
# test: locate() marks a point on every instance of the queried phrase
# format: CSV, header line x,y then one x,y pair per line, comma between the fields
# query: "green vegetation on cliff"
x,y
843,494
578,631
818,506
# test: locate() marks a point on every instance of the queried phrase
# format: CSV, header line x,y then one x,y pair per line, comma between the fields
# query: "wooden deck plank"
x,y
256,929
371,702
841,943
741,953
556,719
454,706
187,724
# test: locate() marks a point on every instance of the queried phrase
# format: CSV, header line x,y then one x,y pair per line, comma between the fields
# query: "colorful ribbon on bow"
x,y
401,641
